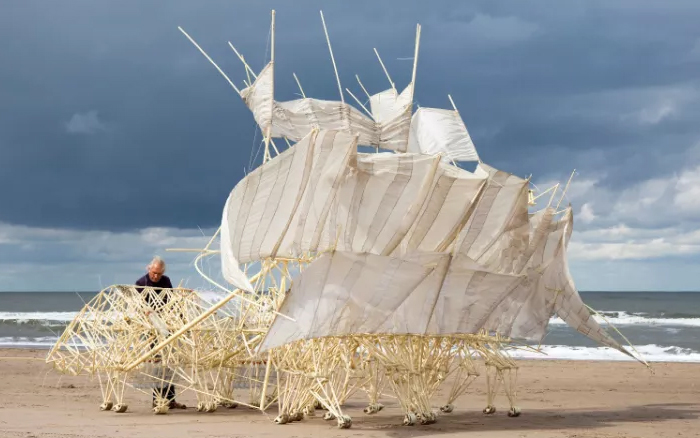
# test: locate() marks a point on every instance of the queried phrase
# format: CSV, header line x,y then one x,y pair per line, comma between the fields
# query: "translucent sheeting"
x,y
296,118
273,202
441,131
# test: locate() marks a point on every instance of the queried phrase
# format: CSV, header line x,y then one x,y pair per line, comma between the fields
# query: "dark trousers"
x,y
166,391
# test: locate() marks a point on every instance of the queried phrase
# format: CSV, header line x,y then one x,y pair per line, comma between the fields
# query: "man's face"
x,y
155,272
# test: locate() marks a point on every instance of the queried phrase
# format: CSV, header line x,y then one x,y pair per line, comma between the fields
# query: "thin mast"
x,y
268,131
386,72
328,40
413,80
299,84
210,60
565,189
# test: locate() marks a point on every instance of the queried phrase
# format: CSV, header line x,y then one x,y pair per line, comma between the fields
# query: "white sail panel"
x,y
346,293
272,203
503,254
423,294
392,113
296,118
343,293
257,211
332,156
388,105
568,304
451,200
502,198
259,98
440,131
379,201
541,228
472,299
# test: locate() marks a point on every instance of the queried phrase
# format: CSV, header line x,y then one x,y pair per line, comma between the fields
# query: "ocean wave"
x,y
650,353
26,317
618,318
41,342
624,318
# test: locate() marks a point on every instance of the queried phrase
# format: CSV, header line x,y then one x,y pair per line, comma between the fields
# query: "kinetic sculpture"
x,y
389,271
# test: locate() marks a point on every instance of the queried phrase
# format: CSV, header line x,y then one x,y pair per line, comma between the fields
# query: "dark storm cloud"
x,y
160,138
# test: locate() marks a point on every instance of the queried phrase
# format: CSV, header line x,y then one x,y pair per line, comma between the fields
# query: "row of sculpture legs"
x,y
300,394
299,401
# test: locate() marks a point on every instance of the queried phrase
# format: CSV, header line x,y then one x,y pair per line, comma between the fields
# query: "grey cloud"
x,y
572,87
85,123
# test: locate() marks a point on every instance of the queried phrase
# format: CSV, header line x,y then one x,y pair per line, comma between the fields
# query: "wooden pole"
x,y
249,70
359,103
299,84
386,72
551,198
268,130
363,87
415,61
210,60
565,189
325,30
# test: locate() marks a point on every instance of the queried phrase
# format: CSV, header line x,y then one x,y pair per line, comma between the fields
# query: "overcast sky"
x,y
119,140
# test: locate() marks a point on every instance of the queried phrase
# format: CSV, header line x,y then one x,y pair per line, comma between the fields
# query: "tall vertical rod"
x,y
415,62
328,40
268,131
413,77
566,188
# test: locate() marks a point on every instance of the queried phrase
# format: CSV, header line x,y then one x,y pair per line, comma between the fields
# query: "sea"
x,y
661,326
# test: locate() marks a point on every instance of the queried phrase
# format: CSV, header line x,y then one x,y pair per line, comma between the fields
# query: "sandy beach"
x,y
558,399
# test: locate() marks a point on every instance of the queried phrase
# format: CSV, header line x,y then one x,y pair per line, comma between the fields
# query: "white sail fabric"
x,y
500,214
388,105
296,118
538,307
436,294
259,97
344,293
272,202
392,113
379,201
348,293
567,301
441,131
453,195
322,195
399,203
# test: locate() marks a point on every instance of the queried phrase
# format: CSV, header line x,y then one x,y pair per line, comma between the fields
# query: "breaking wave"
x,y
614,317
624,318
650,353
30,317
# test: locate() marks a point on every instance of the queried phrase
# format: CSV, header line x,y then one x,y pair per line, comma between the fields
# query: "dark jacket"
x,y
164,282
